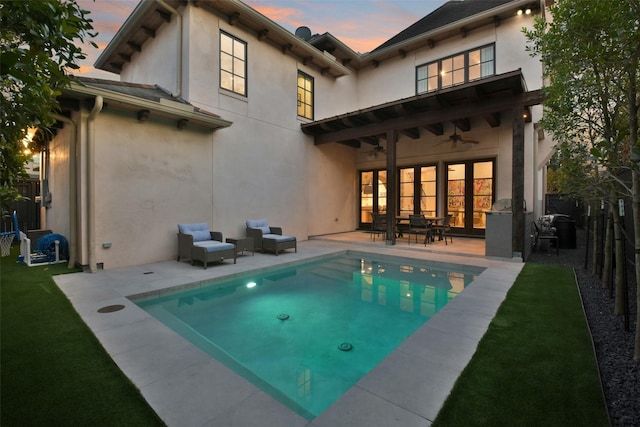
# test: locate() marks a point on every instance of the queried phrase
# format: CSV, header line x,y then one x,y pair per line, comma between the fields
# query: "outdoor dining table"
x,y
402,222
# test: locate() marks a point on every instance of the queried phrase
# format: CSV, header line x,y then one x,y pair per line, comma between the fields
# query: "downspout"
x,y
73,188
178,91
91,183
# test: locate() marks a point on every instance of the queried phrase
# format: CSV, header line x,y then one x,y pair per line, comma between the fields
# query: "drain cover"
x,y
111,308
345,346
282,316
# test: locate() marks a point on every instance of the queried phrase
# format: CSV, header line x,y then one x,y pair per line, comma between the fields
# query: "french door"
x,y
373,195
470,193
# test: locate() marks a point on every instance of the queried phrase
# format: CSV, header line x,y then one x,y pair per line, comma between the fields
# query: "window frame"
x,y
424,81
234,59
308,106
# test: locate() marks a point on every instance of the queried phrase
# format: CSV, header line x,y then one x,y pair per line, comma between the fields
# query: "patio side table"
x,y
242,244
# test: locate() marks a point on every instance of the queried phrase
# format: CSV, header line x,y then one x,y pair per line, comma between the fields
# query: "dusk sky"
x,y
360,24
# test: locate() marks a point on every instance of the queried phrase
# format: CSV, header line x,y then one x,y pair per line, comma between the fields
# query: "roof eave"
x,y
134,22
165,108
423,38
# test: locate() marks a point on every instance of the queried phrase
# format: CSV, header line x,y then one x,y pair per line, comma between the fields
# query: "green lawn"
x,y
53,371
535,365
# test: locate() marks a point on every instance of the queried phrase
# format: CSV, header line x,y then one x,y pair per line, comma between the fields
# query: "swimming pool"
x,y
305,334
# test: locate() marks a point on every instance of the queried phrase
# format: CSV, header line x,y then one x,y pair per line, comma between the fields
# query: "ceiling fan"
x,y
375,151
455,138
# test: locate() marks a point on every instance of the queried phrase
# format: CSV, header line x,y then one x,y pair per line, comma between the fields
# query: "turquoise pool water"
x,y
306,334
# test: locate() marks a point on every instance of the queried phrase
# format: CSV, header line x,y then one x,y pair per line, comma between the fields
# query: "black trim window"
x,y
305,95
457,69
233,64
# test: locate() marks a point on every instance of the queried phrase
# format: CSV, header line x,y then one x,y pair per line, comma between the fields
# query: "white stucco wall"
x,y
157,62
57,217
149,177
264,166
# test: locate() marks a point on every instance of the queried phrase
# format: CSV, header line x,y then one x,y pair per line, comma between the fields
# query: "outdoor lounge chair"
x,y
197,243
266,238
547,233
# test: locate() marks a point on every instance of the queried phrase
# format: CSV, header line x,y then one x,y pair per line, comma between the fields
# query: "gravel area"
x,y
619,373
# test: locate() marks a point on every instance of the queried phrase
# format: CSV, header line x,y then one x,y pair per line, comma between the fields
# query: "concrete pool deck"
x,y
186,387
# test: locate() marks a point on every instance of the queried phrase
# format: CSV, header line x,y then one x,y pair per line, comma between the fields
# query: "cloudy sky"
x,y
360,24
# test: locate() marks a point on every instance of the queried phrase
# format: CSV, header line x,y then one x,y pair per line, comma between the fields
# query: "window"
x,y
305,95
233,64
457,69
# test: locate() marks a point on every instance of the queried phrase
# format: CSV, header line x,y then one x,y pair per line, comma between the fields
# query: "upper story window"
x,y
305,95
233,64
456,69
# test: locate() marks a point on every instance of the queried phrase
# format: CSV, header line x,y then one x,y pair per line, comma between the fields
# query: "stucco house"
x,y
222,115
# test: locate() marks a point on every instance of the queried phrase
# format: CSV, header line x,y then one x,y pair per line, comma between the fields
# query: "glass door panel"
x,y
456,190
382,191
482,192
366,197
407,186
428,190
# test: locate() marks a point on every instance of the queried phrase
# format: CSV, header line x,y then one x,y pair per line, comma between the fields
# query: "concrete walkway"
x,y
186,387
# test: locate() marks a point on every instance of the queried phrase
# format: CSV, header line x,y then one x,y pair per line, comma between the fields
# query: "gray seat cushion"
x,y
214,246
279,238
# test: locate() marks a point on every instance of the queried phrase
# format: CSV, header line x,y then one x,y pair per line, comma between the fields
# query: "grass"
x,y
53,371
535,365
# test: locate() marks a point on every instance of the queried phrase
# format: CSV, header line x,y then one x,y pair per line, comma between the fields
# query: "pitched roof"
x,y
145,91
152,99
448,13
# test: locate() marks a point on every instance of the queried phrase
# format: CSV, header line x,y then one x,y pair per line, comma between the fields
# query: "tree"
x,y
590,56
38,43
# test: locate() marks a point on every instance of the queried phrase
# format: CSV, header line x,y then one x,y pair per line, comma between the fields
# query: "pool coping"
x,y
185,386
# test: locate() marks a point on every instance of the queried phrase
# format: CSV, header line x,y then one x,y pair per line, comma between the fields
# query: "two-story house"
x,y
222,115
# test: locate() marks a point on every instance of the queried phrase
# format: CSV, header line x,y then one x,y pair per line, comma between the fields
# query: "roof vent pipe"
x,y
178,91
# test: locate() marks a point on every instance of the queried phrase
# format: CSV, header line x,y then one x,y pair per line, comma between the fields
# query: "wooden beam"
x,y
436,128
262,35
148,31
392,185
463,124
493,119
233,18
431,117
517,181
165,16
413,133
134,46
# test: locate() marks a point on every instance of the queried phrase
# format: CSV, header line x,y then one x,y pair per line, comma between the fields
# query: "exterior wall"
x,y
157,62
149,177
396,79
57,216
262,164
